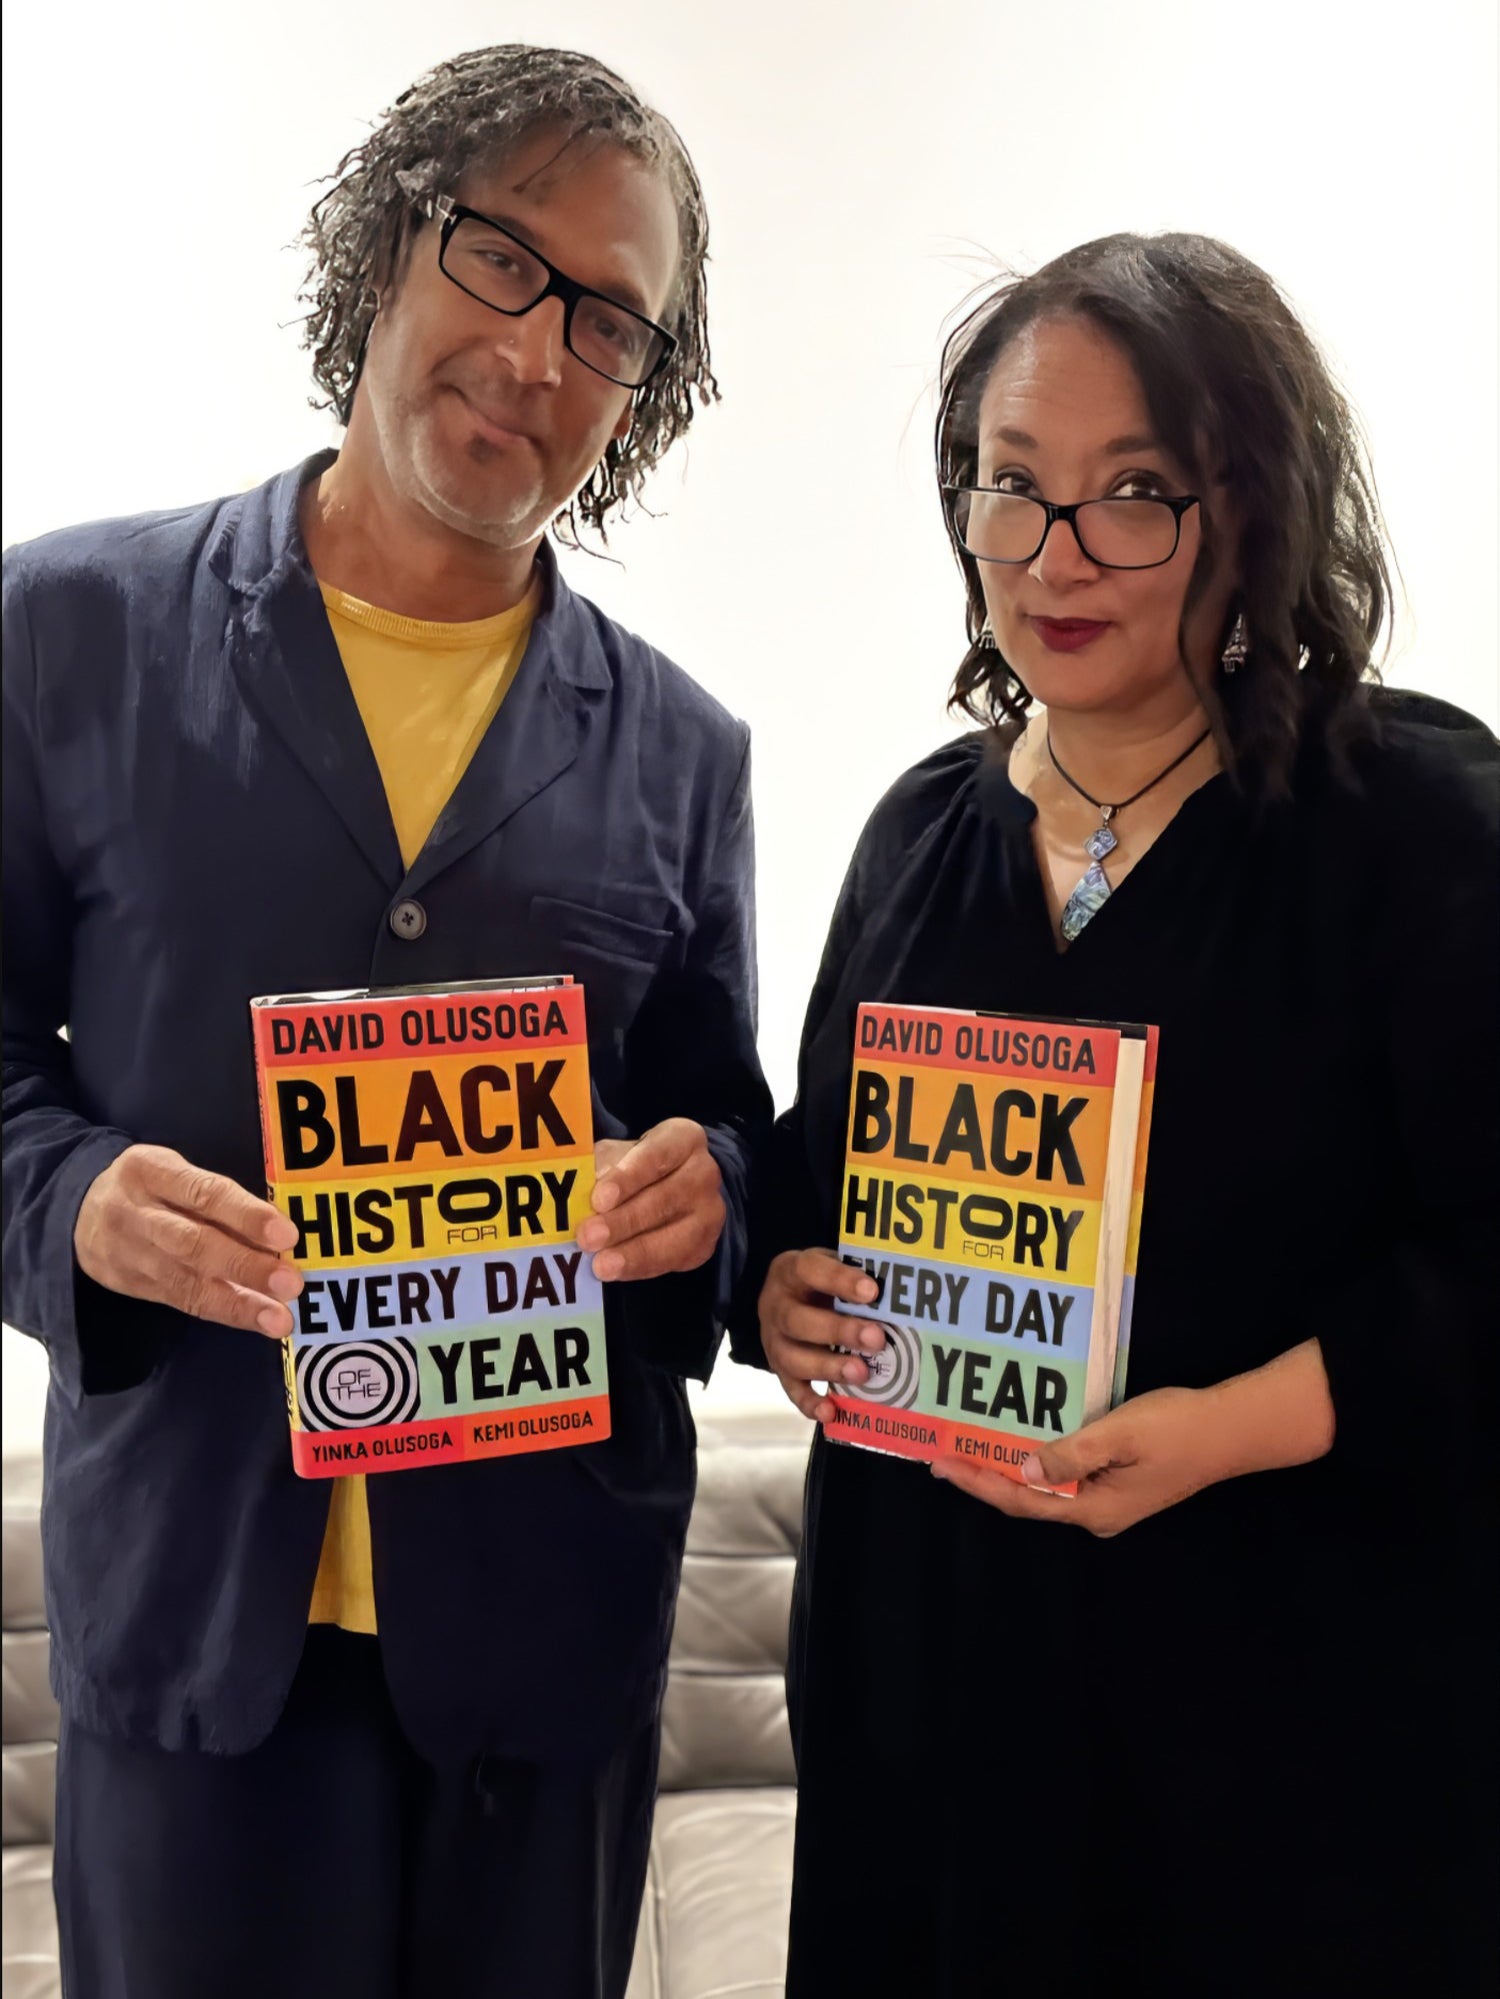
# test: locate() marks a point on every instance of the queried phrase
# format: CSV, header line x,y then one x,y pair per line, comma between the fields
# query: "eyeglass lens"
x,y
496,268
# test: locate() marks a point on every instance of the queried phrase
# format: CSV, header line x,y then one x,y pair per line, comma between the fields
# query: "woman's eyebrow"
x,y
1117,447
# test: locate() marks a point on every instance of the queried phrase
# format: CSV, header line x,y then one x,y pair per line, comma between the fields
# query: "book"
x,y
434,1146
993,1186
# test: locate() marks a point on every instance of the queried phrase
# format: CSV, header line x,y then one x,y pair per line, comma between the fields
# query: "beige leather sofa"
x,y
714,1921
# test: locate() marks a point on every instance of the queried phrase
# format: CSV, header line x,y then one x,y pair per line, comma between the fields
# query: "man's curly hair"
x,y
469,112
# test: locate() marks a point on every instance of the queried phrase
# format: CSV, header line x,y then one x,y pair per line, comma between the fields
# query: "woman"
x,y
1219,1724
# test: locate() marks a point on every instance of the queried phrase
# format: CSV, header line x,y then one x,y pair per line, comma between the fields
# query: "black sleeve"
x,y
53,1150
1408,1338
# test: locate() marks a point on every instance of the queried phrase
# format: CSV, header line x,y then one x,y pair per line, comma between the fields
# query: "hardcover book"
x,y
434,1147
993,1183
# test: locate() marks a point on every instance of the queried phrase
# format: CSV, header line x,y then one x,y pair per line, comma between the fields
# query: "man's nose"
x,y
533,345
1061,559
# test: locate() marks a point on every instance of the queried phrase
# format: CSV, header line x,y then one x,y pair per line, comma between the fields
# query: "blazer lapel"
x,y
286,660
559,688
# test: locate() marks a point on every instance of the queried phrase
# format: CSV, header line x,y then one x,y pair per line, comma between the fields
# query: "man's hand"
x,y
799,1328
155,1227
658,1203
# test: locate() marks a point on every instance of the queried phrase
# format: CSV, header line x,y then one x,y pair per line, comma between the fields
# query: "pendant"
x,y
1086,900
1100,842
1093,891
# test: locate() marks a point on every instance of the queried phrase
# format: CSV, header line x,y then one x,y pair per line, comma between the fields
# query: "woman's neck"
x,y
1112,756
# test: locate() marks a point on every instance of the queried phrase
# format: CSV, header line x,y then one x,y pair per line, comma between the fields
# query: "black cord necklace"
x,y
1093,891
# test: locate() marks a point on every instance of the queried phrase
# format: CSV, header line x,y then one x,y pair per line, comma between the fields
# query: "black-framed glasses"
x,y
1134,533
507,275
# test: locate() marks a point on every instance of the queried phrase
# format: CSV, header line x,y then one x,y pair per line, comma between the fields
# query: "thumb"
x,y
1087,1451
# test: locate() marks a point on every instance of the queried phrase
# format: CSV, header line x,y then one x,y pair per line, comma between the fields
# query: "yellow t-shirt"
x,y
427,693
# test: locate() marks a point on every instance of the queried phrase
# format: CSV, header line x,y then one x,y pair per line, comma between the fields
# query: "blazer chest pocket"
x,y
614,958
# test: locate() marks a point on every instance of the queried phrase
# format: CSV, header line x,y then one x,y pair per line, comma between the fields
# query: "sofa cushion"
x,y
30,1712
29,1789
724,1730
724,1718
29,1966
21,1541
715,1915
751,1467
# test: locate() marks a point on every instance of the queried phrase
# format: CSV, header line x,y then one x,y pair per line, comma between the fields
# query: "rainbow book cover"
x,y
435,1149
993,1184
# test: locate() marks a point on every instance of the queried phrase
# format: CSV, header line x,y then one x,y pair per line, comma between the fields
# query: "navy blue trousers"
x,y
333,1863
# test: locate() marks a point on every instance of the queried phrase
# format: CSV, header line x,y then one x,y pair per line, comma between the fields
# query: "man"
x,y
353,729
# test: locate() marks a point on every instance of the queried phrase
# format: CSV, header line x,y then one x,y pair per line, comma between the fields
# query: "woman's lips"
x,y
1068,634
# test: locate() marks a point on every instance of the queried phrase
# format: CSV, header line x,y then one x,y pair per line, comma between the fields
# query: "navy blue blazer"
x,y
193,815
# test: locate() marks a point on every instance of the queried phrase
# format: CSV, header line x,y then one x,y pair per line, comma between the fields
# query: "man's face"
x,y
488,422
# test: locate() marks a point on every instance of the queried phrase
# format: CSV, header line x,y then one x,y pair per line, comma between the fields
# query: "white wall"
x,y
864,165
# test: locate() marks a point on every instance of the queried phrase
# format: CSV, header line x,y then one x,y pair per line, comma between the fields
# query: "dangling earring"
x,y
986,639
1237,651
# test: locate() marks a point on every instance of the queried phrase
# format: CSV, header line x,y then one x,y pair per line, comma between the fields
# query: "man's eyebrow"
x,y
620,290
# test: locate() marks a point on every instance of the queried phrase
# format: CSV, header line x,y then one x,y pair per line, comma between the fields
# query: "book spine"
x,y
1137,1198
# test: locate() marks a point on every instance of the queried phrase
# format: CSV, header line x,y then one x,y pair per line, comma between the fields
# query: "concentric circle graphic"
x,y
896,1371
356,1385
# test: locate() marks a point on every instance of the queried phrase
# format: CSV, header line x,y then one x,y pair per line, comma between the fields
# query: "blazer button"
x,y
408,920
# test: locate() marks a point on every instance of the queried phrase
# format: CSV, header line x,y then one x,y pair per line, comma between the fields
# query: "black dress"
x,y
1246,1747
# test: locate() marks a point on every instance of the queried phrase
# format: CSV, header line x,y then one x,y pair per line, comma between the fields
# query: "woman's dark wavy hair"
x,y
471,112
1237,392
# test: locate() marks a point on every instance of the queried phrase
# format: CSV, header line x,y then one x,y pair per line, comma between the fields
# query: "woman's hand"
x,y
1138,1460
1157,1449
799,1328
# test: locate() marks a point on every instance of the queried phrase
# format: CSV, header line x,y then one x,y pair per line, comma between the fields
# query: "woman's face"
x,y
1063,418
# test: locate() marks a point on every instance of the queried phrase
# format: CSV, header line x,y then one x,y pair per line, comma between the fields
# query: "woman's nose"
x,y
1061,558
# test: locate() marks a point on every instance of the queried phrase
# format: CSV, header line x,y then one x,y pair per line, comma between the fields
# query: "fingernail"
x,y
871,1337
867,1291
852,1370
824,1412
1031,1471
281,1233
608,1265
592,1233
272,1321
606,1195
284,1283
938,1469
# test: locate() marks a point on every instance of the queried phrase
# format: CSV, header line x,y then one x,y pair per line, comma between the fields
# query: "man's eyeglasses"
x,y
1116,534
507,275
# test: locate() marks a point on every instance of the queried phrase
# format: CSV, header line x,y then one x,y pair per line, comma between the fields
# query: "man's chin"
x,y
488,510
